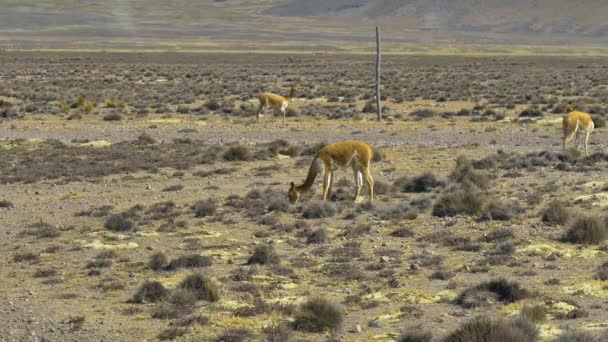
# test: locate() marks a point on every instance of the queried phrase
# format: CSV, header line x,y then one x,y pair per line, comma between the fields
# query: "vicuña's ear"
x,y
292,184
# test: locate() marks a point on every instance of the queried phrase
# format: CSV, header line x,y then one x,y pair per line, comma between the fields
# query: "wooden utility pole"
x,y
378,73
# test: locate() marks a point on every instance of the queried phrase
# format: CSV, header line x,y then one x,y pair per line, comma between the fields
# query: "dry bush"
x,y
170,334
278,332
579,336
26,256
587,230
601,272
402,232
396,212
318,315
535,313
6,204
555,213
501,210
486,293
415,336
150,292
112,115
118,223
45,273
189,261
483,329
499,234
424,113
264,255
204,208
459,201
318,236
236,335
237,153
465,174
101,260
425,182
318,209
203,287
41,230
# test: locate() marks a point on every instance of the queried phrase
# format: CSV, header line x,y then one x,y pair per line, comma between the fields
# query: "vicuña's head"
x,y
569,108
293,194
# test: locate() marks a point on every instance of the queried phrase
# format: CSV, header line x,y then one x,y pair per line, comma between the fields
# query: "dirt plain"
x,y
169,148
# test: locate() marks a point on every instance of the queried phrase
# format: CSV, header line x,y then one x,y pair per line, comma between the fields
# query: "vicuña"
x,y
573,123
353,153
274,101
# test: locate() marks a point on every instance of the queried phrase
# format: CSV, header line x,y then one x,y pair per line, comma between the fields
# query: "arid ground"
x,y
140,201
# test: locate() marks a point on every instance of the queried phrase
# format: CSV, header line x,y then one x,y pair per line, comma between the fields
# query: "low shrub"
x,y
203,287
318,315
459,200
237,153
425,182
204,208
484,329
264,255
486,293
118,223
318,209
150,292
587,230
189,261
555,213
318,236
415,336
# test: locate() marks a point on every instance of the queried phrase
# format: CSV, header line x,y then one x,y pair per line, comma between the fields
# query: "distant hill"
x,y
570,17
299,24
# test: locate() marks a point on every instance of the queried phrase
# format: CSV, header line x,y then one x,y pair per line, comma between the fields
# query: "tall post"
x,y
378,73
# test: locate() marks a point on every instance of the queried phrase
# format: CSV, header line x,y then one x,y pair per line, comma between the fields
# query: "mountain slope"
x,y
577,17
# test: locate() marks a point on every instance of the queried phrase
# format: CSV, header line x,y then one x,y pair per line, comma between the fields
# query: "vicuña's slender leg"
x,y
587,142
331,184
370,183
260,110
326,183
358,181
568,138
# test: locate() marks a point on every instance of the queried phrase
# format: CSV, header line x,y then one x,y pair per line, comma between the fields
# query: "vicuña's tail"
x,y
313,171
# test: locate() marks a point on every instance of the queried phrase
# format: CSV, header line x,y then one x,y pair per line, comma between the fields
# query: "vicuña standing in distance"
x,y
573,123
274,101
353,153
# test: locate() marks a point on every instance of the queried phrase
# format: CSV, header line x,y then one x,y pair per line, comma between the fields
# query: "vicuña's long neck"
x,y
310,178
